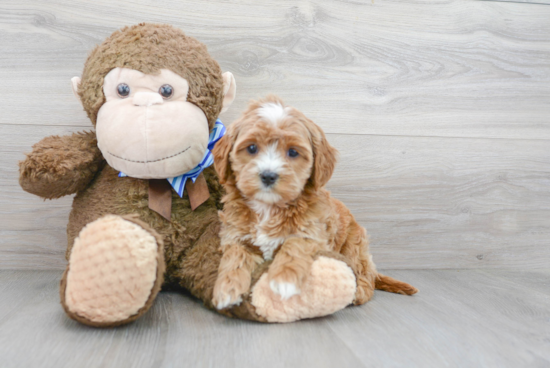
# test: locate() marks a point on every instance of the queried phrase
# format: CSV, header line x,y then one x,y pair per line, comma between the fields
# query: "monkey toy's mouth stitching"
x,y
147,162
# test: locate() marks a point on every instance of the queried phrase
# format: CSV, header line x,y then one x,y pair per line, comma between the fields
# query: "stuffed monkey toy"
x,y
145,213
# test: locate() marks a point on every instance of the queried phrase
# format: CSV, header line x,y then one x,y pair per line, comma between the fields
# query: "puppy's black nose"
x,y
269,178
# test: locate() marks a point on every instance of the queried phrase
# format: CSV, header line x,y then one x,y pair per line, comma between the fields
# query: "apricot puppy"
x,y
274,163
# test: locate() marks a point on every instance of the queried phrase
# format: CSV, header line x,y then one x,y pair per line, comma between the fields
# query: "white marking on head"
x,y
272,112
270,160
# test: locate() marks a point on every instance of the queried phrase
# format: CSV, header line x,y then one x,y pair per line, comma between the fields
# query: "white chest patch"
x,y
268,245
263,210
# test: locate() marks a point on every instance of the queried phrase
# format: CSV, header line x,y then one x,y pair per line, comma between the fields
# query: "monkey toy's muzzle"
x,y
145,137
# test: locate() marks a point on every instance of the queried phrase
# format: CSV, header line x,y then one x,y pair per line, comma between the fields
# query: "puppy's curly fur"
x,y
274,163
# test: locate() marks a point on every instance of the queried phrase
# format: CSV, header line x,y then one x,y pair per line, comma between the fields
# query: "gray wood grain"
x,y
474,318
448,203
459,318
439,68
537,2
440,110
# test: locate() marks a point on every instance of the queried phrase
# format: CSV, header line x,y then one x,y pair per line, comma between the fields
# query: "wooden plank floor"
x,y
472,318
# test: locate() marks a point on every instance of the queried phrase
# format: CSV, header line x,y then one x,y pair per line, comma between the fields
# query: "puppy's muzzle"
x,y
268,178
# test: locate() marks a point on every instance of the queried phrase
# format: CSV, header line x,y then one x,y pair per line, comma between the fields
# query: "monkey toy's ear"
x,y
75,82
229,90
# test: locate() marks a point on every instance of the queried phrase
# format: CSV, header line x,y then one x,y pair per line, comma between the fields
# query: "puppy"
x,y
274,163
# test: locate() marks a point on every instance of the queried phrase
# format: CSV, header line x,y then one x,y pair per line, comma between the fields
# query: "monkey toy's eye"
x,y
166,91
252,149
292,153
123,90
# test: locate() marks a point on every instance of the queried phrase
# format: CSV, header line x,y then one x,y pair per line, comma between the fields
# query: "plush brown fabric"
x,y
109,194
148,48
191,239
161,267
59,166
160,197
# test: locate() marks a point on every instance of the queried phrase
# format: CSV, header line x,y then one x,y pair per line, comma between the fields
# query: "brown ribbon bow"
x,y
160,195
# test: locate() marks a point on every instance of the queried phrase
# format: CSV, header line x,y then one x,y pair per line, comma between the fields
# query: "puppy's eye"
x,y
252,149
292,153
166,91
123,90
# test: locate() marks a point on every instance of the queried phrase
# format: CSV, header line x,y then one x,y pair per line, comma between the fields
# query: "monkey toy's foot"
x,y
330,286
114,273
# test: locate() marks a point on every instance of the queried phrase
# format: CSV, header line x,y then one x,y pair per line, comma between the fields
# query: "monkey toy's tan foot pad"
x,y
115,271
330,286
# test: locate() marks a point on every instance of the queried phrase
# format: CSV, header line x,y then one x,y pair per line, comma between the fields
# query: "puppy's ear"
x,y
221,157
324,157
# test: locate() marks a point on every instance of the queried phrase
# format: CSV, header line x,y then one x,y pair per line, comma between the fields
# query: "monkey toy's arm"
x,y
58,166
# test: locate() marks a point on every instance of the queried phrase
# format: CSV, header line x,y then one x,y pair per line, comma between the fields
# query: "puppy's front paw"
x,y
286,279
229,289
284,289
223,300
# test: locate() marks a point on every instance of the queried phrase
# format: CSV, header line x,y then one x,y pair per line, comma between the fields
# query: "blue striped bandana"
x,y
178,183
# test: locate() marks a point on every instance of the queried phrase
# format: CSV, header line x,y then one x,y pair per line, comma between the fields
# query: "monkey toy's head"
x,y
153,94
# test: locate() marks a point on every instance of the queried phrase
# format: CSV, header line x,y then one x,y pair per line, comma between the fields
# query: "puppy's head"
x,y
272,152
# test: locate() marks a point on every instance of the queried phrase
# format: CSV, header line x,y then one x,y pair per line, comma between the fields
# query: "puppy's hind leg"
x,y
356,249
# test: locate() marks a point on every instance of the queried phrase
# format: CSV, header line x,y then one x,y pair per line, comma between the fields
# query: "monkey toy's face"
x,y
147,128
